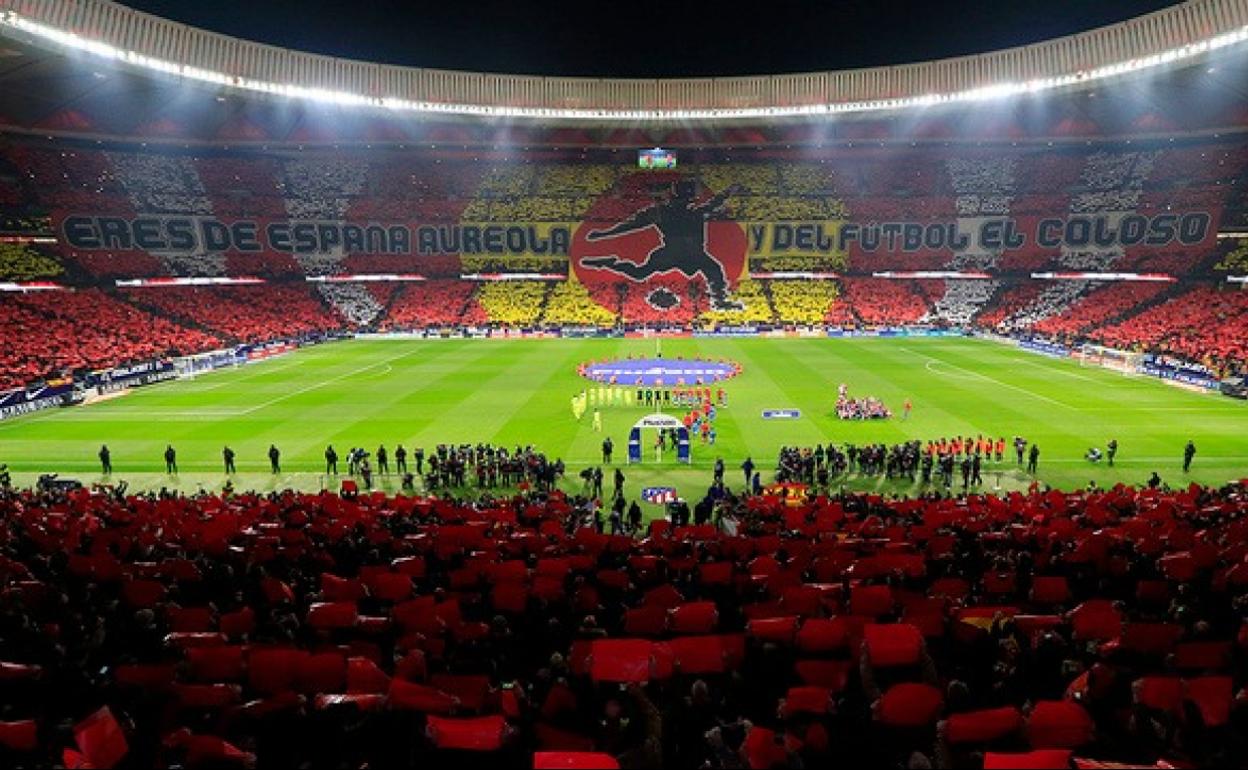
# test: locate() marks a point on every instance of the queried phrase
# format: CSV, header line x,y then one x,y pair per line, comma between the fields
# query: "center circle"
x,y
659,371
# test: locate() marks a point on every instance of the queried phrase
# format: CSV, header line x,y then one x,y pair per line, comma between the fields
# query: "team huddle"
x,y
868,408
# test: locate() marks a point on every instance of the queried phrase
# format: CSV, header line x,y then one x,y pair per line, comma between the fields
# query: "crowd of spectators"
x,y
961,301
1028,304
1208,324
978,631
253,313
1235,261
546,193
794,263
168,185
360,304
161,184
23,263
321,189
434,304
570,304
755,306
984,187
488,264
775,192
801,302
83,330
662,301
513,303
1011,302
864,185
1097,307
884,302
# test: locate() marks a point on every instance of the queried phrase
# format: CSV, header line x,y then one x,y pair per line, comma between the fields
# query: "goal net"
x,y
1119,360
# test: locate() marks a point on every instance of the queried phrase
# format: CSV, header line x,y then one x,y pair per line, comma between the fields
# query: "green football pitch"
x,y
422,393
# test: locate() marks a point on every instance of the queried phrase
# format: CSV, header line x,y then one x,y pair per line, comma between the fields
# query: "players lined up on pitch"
x,y
655,397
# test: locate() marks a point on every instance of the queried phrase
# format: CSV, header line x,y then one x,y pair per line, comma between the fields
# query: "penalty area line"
x,y
323,383
986,378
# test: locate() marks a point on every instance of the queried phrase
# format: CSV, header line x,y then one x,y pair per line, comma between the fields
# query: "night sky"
x,y
644,38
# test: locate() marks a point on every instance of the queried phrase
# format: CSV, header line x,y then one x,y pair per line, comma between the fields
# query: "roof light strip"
x,y
74,41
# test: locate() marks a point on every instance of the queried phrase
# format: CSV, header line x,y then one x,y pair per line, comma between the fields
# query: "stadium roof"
x,y
92,68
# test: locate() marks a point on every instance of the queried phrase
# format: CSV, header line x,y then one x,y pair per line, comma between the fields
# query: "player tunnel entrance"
x,y
658,422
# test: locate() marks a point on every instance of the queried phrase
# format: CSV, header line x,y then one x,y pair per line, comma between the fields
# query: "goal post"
x,y
1125,361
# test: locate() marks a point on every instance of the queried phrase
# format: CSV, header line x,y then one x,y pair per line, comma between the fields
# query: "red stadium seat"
x,y
871,601
1044,759
1151,638
1050,590
1202,656
621,660
1163,693
910,705
327,615
645,621
364,677
808,699
19,736
832,674
1213,696
418,697
780,630
1059,725
216,664
983,726
479,734
694,618
824,635
1096,620
893,644
573,760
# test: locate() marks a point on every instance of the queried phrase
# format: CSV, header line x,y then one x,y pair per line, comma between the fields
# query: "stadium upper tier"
x,y
1174,69
961,236
129,211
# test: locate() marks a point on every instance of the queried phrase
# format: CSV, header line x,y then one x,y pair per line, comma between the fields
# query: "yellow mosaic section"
x,y
802,302
515,303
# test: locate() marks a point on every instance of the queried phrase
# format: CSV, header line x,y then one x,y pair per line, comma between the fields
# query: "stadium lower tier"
x,y
47,334
1032,630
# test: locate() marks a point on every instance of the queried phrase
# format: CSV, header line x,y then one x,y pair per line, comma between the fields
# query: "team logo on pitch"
x,y
665,246
659,495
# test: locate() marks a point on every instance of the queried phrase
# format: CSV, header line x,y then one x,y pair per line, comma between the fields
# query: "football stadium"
x,y
355,413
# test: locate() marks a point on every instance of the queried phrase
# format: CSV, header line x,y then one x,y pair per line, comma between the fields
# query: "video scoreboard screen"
x,y
656,158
